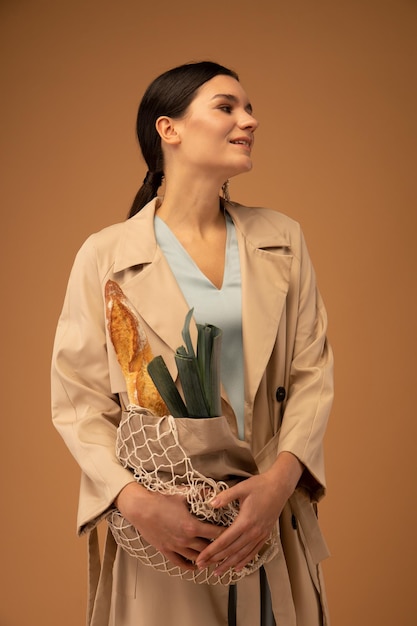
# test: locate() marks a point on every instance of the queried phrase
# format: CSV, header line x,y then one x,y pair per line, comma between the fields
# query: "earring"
x,y
225,191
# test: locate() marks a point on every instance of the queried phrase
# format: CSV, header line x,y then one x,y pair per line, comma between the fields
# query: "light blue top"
x,y
220,307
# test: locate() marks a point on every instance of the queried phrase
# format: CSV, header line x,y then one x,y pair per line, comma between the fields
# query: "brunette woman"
x,y
246,270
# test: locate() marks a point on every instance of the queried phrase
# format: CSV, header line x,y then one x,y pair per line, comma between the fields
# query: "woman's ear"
x,y
167,130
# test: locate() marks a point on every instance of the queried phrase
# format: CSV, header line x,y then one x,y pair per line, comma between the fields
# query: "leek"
x,y
198,371
161,377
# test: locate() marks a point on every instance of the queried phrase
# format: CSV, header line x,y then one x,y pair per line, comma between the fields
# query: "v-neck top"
x,y
221,307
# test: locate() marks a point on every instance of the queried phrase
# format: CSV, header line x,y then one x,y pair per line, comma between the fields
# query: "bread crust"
x,y
132,349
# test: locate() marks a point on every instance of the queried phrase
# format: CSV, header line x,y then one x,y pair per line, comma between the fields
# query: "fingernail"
x,y
214,501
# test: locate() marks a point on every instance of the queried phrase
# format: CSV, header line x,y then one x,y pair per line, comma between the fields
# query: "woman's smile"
x,y
219,115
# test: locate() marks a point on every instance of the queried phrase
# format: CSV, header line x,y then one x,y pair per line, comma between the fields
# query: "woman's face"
x,y
216,134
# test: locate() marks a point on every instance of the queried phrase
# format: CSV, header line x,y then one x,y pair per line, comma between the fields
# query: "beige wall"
x,y
334,85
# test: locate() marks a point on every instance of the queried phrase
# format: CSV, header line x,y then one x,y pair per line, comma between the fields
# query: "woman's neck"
x,y
191,205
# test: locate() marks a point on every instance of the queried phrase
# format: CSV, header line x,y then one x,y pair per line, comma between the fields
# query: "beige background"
x,y
334,84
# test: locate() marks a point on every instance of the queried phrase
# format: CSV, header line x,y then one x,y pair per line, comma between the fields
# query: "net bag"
x,y
196,458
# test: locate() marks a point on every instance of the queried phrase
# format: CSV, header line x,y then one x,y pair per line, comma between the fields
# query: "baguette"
x,y
132,349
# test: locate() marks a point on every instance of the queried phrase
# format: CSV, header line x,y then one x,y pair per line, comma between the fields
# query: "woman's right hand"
x,y
166,523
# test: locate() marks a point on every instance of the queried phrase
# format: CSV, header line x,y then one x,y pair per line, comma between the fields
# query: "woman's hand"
x,y
261,500
167,524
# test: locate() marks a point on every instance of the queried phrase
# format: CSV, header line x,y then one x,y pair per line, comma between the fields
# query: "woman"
x,y
247,271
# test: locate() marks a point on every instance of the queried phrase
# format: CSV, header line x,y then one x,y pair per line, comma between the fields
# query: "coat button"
x,y
280,394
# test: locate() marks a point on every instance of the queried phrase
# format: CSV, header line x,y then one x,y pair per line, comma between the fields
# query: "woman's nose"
x,y
249,121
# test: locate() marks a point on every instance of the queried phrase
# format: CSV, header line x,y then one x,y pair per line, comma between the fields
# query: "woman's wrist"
x,y
286,472
129,491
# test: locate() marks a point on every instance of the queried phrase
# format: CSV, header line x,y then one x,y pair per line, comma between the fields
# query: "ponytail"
x,y
147,192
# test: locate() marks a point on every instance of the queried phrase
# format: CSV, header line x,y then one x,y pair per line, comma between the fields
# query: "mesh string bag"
x,y
196,458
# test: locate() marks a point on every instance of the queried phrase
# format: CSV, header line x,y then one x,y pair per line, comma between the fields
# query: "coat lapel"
x,y
154,292
265,270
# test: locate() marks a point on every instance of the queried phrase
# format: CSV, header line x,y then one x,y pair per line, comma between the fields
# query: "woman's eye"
x,y
226,107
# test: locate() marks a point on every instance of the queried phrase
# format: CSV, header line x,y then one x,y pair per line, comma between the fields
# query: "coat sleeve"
x,y
84,410
310,384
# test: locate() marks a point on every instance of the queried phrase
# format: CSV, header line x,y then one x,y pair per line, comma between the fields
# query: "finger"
x,y
180,561
235,552
198,545
188,549
225,541
241,564
226,497
219,549
207,531
239,559
233,549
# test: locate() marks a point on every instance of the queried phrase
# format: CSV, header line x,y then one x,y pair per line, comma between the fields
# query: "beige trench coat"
x,y
288,395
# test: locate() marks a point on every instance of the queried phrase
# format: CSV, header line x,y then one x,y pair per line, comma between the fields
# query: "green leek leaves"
x,y
199,373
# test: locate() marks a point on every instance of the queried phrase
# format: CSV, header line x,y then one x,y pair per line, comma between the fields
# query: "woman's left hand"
x,y
261,500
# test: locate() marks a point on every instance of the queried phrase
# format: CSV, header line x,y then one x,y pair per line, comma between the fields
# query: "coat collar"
x,y
137,244
265,269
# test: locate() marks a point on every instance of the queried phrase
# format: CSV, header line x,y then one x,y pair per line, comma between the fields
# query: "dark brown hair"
x,y
169,94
